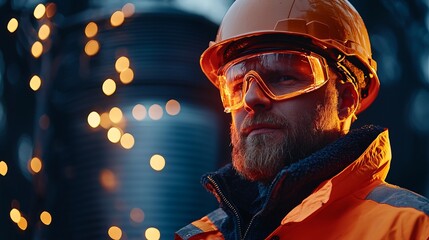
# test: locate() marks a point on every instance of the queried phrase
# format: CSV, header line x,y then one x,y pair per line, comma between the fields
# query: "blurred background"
x,y
107,122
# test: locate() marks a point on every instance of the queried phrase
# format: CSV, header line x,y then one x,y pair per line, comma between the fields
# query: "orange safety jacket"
x,y
356,203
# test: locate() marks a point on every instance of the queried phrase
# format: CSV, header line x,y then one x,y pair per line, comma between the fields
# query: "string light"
x,y
3,168
92,47
109,87
127,141
152,234
115,232
15,215
44,32
35,165
46,218
128,9
155,112
157,162
126,76
172,107
37,49
39,11
94,119
91,29
122,64
12,25
117,18
35,83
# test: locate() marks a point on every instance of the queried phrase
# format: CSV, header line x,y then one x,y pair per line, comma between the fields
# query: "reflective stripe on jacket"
x,y
357,203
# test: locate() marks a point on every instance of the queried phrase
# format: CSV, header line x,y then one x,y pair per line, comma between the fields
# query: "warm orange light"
x,y
127,141
92,47
51,9
137,215
126,76
157,162
122,64
22,224
35,83
115,115
12,25
139,112
15,215
3,168
114,134
46,218
44,32
108,180
105,120
35,164
117,18
91,29
155,112
109,87
172,107
37,49
152,234
115,232
94,119
39,11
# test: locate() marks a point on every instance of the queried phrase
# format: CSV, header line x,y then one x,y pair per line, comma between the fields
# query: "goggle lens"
x,y
280,74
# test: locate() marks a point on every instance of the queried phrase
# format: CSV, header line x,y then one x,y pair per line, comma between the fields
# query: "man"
x,y
294,74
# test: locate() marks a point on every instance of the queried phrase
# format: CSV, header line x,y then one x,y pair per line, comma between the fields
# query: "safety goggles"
x,y
280,74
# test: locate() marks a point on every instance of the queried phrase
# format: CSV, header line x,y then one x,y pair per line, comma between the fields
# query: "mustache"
x,y
264,118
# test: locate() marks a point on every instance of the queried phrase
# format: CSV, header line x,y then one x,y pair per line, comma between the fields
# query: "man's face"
x,y
267,135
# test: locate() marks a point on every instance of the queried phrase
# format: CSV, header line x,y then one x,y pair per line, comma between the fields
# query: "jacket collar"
x,y
294,182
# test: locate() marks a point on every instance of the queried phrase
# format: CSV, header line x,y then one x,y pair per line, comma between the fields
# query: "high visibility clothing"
x,y
353,203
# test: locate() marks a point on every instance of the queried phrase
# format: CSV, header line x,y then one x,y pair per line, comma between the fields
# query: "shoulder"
x,y
399,198
204,228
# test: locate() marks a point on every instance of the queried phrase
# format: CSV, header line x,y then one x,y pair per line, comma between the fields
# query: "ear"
x,y
347,100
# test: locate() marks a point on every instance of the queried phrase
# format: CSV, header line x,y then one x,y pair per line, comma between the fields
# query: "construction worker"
x,y
294,75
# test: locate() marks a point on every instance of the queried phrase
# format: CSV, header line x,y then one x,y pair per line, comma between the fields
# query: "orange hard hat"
x,y
332,27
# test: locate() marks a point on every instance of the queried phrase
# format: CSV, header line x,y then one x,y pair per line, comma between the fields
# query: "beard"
x,y
260,157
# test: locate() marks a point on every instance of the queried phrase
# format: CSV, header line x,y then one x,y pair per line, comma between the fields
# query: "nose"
x,y
255,98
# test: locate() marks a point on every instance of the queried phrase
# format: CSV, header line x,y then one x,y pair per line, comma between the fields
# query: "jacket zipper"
x,y
229,205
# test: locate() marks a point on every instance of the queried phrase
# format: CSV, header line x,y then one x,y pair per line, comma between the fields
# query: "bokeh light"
x,y
128,9
172,107
51,9
139,112
117,18
12,25
35,165
115,232
126,76
91,29
108,180
23,224
114,134
157,162
37,49
92,47
127,141
152,234
39,11
46,218
3,168
155,112
44,32
115,115
137,215
109,87
94,119
35,82
15,215
122,64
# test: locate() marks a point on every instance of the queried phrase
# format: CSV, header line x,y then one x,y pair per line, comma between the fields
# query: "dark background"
x,y
163,40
